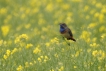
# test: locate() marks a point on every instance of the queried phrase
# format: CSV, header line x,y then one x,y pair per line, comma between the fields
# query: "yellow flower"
x,y
29,45
52,70
37,50
102,28
98,5
86,36
94,53
47,44
26,64
101,55
39,59
5,30
94,45
69,14
93,2
96,15
36,10
21,38
94,39
27,26
46,58
31,63
75,67
27,11
8,52
17,40
19,68
103,10
103,36
86,8
14,50
101,18
99,67
92,25
65,6
5,56
62,68
3,11
55,40
24,36
49,7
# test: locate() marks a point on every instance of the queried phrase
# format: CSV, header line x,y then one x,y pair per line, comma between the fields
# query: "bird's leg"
x,y
63,38
66,41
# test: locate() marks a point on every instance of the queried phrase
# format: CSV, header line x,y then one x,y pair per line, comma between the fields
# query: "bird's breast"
x,y
65,34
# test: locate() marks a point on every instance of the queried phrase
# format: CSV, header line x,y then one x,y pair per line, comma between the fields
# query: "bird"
x,y
66,32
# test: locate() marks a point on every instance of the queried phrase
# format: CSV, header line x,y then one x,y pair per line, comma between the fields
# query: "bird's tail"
x,y
73,39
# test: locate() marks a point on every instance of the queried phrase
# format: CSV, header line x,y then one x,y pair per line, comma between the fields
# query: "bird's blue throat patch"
x,y
62,29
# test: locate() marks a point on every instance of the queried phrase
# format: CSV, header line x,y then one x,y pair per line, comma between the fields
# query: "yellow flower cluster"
x,y
19,68
29,45
94,45
21,38
99,54
37,50
55,40
5,30
75,67
103,36
92,25
86,36
61,68
3,11
28,64
43,59
8,53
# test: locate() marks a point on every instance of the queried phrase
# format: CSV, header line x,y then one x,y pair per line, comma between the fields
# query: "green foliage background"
x,y
30,38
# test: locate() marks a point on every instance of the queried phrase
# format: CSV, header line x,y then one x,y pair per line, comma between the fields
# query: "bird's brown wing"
x,y
70,32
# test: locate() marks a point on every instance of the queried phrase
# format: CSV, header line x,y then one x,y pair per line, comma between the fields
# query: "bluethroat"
x,y
66,32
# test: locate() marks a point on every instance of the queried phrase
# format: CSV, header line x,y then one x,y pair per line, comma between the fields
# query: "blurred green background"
x,y
30,38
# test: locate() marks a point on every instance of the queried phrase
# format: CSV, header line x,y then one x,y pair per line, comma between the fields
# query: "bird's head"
x,y
63,25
